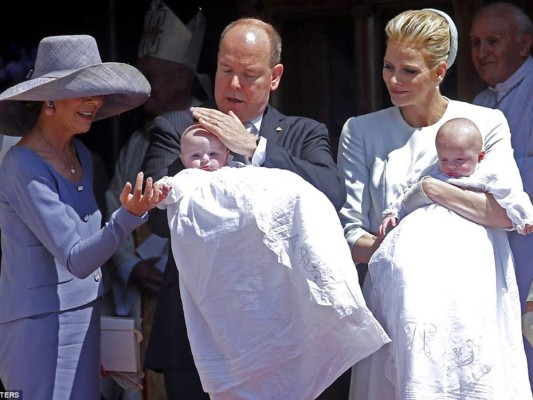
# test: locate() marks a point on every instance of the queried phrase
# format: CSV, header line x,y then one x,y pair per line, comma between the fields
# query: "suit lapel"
x,y
272,124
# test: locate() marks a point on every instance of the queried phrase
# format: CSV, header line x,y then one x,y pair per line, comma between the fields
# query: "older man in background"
x,y
168,56
501,38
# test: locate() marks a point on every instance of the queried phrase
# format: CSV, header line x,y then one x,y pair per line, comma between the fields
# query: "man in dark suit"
x,y
248,69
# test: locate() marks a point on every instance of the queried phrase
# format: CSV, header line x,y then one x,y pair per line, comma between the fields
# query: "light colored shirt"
x,y
260,152
5,143
514,98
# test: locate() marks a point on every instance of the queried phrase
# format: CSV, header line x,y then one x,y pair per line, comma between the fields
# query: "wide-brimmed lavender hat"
x,y
70,67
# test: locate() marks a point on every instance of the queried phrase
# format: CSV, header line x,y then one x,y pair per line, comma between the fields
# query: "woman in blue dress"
x,y
53,242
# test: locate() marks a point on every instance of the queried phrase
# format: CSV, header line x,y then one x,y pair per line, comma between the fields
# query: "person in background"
x,y
168,55
19,63
52,239
452,313
248,69
501,38
5,143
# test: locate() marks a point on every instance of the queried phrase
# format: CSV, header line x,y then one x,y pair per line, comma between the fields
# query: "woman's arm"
x,y
364,247
481,208
478,207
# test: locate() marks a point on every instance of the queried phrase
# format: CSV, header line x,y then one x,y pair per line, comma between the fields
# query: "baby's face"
x,y
203,150
457,161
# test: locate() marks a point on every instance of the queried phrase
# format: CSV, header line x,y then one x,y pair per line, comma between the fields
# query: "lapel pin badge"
x,y
278,129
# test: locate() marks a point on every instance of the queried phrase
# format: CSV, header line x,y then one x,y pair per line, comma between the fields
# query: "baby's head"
x,y
459,147
201,149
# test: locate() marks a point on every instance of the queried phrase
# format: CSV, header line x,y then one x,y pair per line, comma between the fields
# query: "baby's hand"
x,y
387,225
164,189
528,228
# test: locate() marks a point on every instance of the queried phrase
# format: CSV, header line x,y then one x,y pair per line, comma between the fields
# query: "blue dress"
x,y
52,249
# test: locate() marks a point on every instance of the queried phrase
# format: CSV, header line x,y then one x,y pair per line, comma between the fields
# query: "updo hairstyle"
x,y
424,29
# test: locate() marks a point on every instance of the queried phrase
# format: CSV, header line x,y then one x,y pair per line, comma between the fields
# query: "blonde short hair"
x,y
422,28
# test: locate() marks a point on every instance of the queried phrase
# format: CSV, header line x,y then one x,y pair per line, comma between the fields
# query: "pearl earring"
x,y
49,108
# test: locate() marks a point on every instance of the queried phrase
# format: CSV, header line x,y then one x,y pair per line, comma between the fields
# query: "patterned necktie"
x,y
250,127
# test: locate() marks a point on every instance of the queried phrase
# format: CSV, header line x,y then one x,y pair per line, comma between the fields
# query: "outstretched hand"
x,y
140,202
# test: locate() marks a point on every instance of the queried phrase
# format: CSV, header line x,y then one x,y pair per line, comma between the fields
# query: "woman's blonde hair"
x,y
423,28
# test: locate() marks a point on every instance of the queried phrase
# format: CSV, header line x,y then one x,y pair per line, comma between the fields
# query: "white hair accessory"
x,y
454,41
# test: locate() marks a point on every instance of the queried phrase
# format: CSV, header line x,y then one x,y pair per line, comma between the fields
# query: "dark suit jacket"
x,y
297,144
